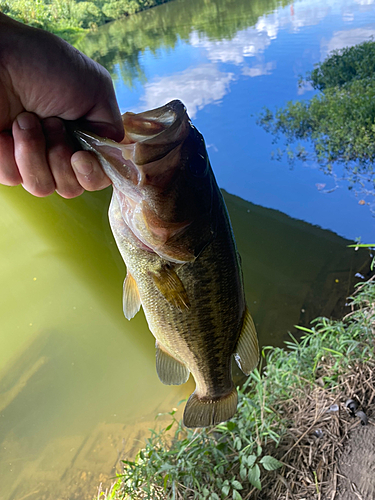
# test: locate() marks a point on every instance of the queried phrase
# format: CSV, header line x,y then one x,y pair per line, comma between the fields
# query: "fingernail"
x,y
27,121
83,167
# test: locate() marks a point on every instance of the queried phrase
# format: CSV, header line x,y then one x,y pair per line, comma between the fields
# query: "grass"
x,y
281,409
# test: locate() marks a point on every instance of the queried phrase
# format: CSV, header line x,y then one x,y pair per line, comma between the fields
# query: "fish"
x,y
172,228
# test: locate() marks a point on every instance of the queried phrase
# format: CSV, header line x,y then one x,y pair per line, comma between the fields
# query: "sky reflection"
x,y
195,87
225,81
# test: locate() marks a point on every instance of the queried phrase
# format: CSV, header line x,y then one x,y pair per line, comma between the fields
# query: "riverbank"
x,y
294,435
73,19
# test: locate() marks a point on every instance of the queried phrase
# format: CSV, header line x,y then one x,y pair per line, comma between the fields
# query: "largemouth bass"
x,y
172,228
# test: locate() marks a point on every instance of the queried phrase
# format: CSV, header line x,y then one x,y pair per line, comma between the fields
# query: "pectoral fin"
x,y
247,351
171,287
131,298
170,371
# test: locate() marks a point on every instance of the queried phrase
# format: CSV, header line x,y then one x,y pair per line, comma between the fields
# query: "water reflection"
x,y
195,87
259,69
244,44
347,38
121,43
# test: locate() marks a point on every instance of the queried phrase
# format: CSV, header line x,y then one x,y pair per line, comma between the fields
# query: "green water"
x,y
78,385
73,367
69,360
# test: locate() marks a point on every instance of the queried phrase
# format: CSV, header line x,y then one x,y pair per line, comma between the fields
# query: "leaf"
x,y
243,472
251,459
236,495
237,485
214,496
238,443
166,477
302,328
270,463
231,426
254,477
225,489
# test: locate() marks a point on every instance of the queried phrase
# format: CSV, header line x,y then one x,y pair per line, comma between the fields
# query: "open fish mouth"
x,y
149,136
147,126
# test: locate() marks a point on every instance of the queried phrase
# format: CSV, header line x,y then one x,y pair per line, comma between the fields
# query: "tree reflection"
x,y
118,45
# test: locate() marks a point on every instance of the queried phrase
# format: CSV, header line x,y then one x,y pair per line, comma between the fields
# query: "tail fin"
x,y
204,412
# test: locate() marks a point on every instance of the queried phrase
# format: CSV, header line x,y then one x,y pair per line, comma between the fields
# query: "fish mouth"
x,y
149,125
149,137
157,132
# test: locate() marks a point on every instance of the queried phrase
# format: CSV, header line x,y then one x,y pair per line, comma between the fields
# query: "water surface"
x,y
78,385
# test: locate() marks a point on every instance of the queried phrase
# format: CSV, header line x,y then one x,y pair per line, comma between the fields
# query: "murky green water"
x,y
78,385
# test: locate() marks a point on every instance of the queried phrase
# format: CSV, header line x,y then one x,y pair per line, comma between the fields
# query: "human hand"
x,y
44,84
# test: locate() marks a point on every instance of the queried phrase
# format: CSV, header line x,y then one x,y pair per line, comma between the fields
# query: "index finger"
x,y
104,118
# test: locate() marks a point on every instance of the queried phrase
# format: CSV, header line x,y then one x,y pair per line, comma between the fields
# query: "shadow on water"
x,y
293,271
76,377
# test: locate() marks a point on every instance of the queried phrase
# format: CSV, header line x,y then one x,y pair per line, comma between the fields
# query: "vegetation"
x,y
339,121
237,459
71,19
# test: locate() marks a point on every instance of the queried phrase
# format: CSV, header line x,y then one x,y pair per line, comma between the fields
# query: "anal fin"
x,y
170,371
201,412
131,299
247,350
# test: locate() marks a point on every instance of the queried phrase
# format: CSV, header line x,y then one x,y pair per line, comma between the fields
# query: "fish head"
x,y
162,179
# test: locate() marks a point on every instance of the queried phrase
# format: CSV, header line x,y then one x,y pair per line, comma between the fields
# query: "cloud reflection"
x,y
259,69
346,38
247,43
294,17
195,87
255,40
204,84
